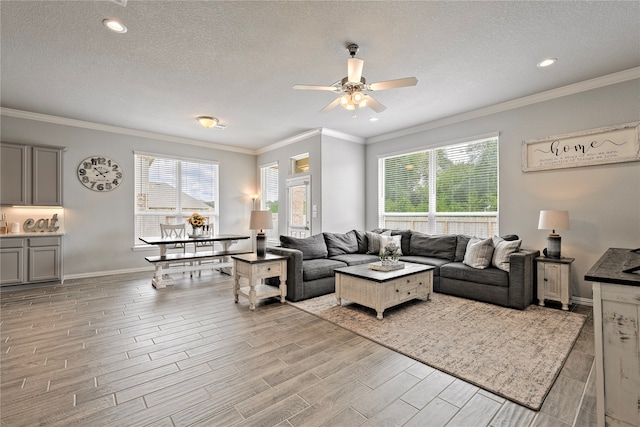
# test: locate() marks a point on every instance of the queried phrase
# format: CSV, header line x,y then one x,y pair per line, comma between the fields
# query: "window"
x,y
446,190
169,189
269,199
300,164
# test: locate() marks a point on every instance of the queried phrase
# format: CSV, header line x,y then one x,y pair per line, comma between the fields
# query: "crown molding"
x,y
308,134
9,112
343,136
620,77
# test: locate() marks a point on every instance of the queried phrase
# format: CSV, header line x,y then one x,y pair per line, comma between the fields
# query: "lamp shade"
x,y
261,220
553,220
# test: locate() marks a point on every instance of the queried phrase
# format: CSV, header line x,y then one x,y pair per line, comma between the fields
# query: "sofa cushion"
x,y
462,240
436,262
502,251
488,276
319,268
311,247
339,244
363,243
443,246
405,242
355,259
479,253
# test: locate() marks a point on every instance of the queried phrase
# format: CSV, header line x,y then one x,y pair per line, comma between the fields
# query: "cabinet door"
x,y
44,263
47,177
11,266
13,174
552,280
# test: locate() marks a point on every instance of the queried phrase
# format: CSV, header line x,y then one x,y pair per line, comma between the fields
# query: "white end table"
x,y
554,281
255,269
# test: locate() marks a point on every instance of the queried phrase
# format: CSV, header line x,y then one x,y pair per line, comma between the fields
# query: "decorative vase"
x,y
197,231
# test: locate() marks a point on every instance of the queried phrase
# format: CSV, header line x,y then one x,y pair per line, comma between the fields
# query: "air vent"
x,y
122,3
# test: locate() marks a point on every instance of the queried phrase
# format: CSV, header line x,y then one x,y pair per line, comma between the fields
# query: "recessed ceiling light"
x,y
114,26
373,119
546,62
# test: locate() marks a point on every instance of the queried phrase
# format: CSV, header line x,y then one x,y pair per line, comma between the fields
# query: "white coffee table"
x,y
380,290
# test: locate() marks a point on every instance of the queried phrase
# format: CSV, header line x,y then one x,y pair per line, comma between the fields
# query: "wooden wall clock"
x,y
99,173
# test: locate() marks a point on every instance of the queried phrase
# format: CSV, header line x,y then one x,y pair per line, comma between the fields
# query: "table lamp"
x,y
261,220
553,220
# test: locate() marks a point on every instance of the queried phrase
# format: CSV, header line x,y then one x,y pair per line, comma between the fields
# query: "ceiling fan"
x,y
355,85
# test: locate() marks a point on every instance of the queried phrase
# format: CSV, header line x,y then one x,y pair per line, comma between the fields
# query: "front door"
x,y
299,207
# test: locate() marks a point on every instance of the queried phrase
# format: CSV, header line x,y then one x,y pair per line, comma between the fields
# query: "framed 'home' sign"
x,y
613,144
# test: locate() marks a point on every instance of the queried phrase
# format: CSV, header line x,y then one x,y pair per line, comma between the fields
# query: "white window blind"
x,y
446,190
269,198
168,190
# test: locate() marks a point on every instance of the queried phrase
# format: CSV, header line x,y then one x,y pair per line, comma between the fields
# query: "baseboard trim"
x,y
582,301
108,273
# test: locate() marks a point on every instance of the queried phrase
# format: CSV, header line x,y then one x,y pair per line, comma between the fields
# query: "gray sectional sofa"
x,y
508,282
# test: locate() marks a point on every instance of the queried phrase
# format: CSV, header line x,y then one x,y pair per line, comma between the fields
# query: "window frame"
x,y
273,235
181,210
432,218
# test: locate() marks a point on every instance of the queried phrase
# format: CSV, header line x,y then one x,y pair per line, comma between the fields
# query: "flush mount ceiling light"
x,y
114,26
207,122
546,62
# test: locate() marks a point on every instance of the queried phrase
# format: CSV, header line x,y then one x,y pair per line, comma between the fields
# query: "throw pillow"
x,y
311,247
502,251
373,239
340,244
395,239
462,240
479,253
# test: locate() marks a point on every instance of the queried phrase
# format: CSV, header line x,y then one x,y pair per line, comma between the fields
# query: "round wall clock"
x,y
99,173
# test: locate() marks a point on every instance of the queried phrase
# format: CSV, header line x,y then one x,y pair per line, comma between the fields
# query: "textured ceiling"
x,y
238,60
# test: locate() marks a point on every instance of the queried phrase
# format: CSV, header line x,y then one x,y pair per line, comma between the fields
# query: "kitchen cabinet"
x,y
30,175
30,259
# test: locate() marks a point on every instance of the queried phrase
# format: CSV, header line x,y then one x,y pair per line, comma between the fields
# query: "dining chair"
x,y
175,231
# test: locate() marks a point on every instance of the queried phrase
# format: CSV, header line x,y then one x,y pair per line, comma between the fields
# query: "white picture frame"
x,y
611,144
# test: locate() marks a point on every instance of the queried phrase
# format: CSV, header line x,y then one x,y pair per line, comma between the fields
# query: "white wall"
x,y
336,168
603,201
343,175
99,226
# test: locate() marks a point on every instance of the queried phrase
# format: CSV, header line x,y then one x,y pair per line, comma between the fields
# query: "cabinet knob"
x,y
397,290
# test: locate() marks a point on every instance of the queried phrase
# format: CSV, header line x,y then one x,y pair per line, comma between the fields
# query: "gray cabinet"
x,y
30,175
30,259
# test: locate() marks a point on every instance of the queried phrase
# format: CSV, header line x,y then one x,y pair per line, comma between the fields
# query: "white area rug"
x,y
514,354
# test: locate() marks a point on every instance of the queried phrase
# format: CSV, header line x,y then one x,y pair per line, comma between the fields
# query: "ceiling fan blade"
x,y
373,104
331,106
354,69
392,84
315,87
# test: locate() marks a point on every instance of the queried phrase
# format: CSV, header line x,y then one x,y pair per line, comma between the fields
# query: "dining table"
x,y
165,260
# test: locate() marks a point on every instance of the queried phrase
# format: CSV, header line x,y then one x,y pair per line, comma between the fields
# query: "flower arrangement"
x,y
390,252
196,220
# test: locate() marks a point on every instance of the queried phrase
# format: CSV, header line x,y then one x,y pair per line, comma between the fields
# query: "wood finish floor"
x,y
113,351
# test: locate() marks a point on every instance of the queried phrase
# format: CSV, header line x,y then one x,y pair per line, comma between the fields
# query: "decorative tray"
x,y
386,267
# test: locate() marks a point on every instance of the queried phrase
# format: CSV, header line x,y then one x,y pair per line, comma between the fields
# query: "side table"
x,y
554,280
255,269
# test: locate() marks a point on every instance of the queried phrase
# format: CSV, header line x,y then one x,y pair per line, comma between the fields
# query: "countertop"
x,y
608,269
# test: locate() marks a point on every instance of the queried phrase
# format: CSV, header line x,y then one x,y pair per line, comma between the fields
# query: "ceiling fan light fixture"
x,y
207,122
357,97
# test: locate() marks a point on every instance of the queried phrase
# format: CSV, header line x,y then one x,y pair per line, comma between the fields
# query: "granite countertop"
x,y
609,268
